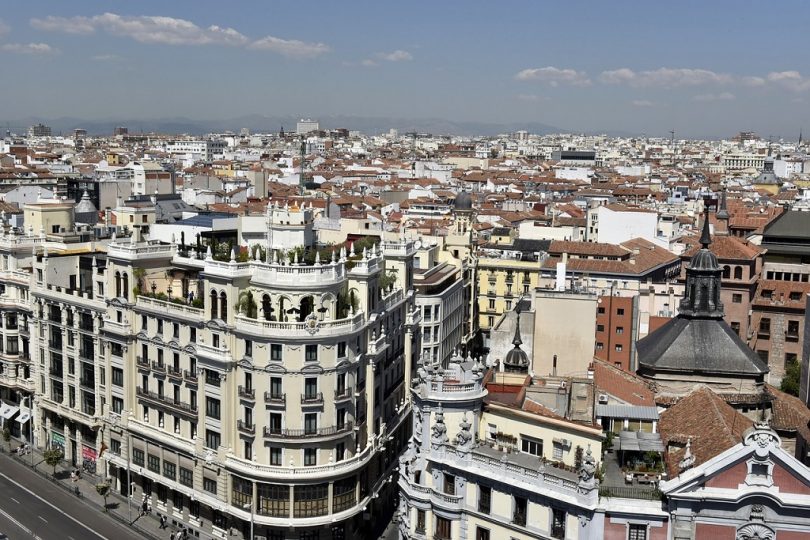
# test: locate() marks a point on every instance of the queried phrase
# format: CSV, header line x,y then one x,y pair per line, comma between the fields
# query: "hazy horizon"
x,y
706,70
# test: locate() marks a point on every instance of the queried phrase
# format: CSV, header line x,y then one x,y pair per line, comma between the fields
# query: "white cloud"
x,y
722,96
395,56
792,80
554,76
289,47
752,81
531,97
642,103
368,63
145,29
4,28
664,77
29,48
106,57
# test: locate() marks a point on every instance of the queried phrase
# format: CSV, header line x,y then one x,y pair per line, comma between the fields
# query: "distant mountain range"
x,y
258,124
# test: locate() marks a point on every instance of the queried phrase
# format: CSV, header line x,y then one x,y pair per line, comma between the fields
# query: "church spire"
x,y
703,275
517,341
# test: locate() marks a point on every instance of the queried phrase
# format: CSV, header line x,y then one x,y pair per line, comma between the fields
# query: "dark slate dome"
x,y
463,201
517,361
698,340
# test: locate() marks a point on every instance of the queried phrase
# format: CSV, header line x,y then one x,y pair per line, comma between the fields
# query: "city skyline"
x,y
581,68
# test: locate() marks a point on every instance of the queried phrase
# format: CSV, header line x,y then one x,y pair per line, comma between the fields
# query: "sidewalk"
x,y
85,488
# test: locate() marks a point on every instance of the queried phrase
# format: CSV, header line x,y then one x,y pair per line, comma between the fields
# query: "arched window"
x,y
726,272
213,304
306,308
118,284
125,285
223,306
267,307
738,272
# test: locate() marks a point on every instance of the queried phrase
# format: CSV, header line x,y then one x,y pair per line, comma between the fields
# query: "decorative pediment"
x,y
190,349
312,368
174,345
755,531
142,335
217,325
275,368
246,363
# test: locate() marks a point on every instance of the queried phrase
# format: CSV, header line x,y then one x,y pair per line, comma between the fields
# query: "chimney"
x,y
554,366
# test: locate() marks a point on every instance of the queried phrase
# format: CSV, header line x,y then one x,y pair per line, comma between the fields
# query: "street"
x,y
33,507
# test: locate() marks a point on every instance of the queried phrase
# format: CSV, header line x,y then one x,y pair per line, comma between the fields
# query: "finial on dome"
x,y
705,236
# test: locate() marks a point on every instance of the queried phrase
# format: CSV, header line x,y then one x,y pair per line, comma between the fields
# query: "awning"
x,y
7,410
25,415
639,441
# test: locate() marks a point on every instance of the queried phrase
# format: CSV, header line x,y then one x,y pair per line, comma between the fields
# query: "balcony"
x,y
309,399
244,427
190,376
274,398
343,394
167,307
158,367
247,393
276,275
274,433
337,327
142,363
166,401
174,372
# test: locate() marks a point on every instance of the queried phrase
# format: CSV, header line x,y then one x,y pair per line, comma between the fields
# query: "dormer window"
x,y
760,473
767,293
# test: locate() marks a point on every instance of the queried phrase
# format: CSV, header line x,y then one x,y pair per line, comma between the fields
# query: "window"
x,y
275,352
443,527
620,311
248,348
137,457
519,511
311,353
619,348
491,304
481,534
790,359
212,439
275,456
420,521
484,499
341,349
310,456
600,310
620,329
211,377
275,423
531,446
600,327
557,523
210,485
117,405
738,272
558,451
599,345
310,387
115,446
310,423
212,408
764,327
637,531
186,477
311,501
736,298
169,470
449,484
154,464
793,329
275,387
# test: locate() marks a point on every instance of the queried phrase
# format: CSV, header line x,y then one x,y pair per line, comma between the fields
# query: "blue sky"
x,y
702,68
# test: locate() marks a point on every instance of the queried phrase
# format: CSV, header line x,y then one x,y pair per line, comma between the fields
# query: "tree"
x,y
7,437
53,457
103,489
790,382
247,305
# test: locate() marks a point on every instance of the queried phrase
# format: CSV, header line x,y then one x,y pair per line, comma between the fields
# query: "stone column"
x,y
370,384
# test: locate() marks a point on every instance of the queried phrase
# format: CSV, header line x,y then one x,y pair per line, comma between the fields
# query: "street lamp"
x,y
249,506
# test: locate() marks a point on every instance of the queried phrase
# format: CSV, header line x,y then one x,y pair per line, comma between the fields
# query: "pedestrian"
x,y
185,533
162,522
73,476
144,507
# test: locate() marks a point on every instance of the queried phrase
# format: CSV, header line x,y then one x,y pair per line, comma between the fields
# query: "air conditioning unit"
x,y
603,398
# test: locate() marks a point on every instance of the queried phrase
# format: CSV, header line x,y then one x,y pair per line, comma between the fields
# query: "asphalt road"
x,y
33,507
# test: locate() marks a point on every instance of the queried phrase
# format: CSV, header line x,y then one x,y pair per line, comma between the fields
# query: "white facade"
x,y
615,227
